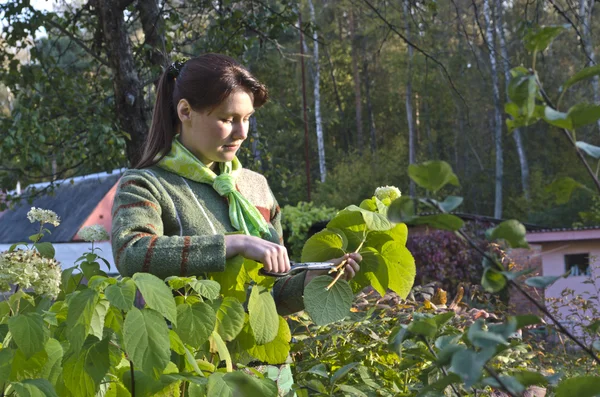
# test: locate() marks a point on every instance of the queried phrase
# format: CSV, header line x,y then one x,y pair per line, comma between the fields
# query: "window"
x,y
578,264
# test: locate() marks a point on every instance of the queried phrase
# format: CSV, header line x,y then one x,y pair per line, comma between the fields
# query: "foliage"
x,y
297,222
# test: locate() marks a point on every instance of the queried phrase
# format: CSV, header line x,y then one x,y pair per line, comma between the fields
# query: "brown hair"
x,y
205,82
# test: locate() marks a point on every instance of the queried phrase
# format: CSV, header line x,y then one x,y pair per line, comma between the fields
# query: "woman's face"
x,y
215,136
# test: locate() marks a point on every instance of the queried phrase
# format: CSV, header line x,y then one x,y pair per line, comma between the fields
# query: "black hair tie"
x,y
175,68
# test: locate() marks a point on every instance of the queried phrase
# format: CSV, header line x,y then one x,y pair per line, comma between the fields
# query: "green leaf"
x,y
322,246
562,188
426,327
121,295
195,323
541,281
529,378
524,320
83,372
29,332
401,210
400,268
23,368
233,280
274,352
240,384
53,367
222,349
583,74
79,317
512,231
539,39
319,369
209,289
439,221
439,385
352,224
157,295
583,114
432,175
327,306
558,119
340,373
146,341
580,386
493,280
34,388
263,315
351,390
230,318
591,150
450,203
519,89
469,364
6,360
97,323
91,269
373,220
36,237
176,343
45,249
511,383
485,339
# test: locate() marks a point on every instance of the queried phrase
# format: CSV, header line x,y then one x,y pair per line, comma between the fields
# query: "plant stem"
x,y
340,268
441,366
132,378
495,376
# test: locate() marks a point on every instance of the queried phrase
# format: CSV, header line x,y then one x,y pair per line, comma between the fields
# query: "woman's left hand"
x,y
352,267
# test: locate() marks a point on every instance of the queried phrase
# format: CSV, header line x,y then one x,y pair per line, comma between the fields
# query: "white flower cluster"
x,y
389,192
29,269
44,216
93,233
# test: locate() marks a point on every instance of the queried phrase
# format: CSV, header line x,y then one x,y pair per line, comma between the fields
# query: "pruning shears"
x,y
298,267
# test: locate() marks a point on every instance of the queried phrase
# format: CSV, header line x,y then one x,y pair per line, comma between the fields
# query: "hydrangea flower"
x,y
28,269
93,233
44,216
387,192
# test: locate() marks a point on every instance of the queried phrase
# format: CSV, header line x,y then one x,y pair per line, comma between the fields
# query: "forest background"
x,y
387,83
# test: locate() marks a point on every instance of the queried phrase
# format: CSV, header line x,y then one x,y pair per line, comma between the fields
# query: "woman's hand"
x,y
274,257
352,267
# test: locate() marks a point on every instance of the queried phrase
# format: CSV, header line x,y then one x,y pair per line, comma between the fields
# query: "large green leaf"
x,y
352,224
209,289
222,349
432,175
439,221
401,210
558,119
562,188
469,364
323,246
327,306
233,279
450,203
583,114
45,249
83,372
79,317
373,220
583,74
6,360
541,281
121,295
24,368
539,39
401,270
240,384
230,318
157,294
274,352
263,315
591,150
53,366
373,271
34,388
97,323
512,231
146,341
195,323
580,386
29,332
493,280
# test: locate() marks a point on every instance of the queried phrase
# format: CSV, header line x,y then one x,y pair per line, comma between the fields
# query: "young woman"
x,y
189,205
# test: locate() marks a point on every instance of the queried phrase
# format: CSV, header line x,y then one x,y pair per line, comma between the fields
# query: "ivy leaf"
x,y
583,74
29,332
323,246
83,372
121,295
327,306
157,295
580,386
432,175
263,315
146,341
230,318
195,323
209,289
591,150
79,317
512,231
400,268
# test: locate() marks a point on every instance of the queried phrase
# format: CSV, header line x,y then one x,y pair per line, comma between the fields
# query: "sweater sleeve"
x,y
138,240
288,291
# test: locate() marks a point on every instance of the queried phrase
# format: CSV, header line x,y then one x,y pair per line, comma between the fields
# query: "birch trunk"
x,y
409,106
487,14
516,133
317,91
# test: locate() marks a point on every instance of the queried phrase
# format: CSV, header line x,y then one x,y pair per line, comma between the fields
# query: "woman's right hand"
x,y
274,257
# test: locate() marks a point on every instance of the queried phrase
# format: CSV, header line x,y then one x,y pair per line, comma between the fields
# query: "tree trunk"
x,y
129,96
586,8
409,106
516,133
317,90
487,14
154,35
345,131
370,115
356,75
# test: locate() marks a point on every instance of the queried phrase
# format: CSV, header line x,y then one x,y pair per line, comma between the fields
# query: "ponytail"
x,y
164,122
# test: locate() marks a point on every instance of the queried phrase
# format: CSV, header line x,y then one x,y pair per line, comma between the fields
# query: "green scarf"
x,y
243,215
